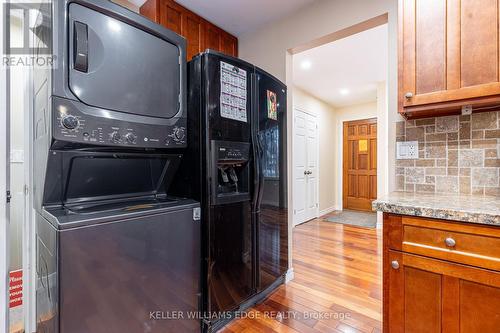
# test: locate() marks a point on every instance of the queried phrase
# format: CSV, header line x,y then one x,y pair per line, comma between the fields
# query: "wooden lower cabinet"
x,y
424,294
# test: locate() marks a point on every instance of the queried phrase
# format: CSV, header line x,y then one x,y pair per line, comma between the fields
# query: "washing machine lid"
x,y
89,214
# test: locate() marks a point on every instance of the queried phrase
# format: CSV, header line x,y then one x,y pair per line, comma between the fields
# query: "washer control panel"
x,y
72,125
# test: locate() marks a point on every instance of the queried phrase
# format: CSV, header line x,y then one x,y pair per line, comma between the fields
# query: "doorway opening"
x,y
340,123
338,130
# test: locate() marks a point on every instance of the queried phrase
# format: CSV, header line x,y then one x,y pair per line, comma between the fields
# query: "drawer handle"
x,y
408,95
395,264
450,242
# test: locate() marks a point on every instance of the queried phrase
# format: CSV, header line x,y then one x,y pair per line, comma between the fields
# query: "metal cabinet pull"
x,y
408,95
450,242
395,264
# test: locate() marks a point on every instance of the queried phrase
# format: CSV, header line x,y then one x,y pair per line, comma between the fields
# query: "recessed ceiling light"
x,y
305,64
344,91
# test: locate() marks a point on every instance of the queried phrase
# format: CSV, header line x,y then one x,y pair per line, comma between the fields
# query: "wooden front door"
x,y
360,164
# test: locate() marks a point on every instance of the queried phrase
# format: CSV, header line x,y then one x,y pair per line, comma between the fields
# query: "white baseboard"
x,y
328,210
289,275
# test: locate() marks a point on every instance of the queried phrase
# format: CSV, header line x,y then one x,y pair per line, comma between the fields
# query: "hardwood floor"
x,y
337,285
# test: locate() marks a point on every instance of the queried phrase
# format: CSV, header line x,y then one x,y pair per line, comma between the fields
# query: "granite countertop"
x,y
465,208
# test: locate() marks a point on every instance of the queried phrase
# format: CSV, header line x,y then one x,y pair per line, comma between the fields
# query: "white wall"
x,y
326,128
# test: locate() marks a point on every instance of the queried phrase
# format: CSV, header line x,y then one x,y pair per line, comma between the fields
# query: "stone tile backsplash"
x,y
457,154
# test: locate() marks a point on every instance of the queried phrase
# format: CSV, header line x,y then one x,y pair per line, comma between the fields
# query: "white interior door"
x,y
305,167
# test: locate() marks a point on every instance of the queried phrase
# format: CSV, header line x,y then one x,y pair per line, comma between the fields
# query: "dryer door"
x,y
116,66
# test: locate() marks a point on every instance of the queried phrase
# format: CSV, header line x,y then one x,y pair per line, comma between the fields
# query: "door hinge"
x,y
317,204
26,190
294,212
9,196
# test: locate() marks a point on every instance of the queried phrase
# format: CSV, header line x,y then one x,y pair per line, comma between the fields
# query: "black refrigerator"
x,y
236,166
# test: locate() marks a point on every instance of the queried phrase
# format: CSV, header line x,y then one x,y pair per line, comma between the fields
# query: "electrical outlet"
x,y
407,150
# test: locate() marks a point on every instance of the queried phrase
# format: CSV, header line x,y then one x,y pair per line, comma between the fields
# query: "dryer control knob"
x,y
179,133
131,137
115,137
70,122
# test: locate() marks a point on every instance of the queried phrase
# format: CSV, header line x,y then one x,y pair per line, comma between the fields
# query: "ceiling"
x,y
240,16
346,71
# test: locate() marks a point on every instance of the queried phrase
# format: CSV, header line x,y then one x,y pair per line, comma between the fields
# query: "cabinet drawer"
x,y
475,245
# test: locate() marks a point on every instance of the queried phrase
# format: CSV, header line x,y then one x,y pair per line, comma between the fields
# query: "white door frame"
x,y
29,226
295,109
4,221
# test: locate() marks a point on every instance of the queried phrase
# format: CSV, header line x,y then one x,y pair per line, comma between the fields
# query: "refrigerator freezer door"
x,y
230,265
272,221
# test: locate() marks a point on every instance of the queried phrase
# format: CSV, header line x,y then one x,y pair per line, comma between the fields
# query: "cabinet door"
x,y
427,295
192,30
171,16
212,36
229,44
448,50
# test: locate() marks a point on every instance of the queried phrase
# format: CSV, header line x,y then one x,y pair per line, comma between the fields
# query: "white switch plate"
x,y
407,150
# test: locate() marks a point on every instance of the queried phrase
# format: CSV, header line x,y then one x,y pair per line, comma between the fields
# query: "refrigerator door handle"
x,y
255,142
261,172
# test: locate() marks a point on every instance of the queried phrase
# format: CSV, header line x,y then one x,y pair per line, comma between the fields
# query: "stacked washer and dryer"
x,y
115,251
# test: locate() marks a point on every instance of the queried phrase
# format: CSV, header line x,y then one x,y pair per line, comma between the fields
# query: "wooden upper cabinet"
x,y
192,30
171,16
229,43
199,33
212,36
448,55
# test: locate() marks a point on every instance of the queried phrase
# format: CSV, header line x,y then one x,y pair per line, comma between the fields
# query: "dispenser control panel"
x,y
233,153
72,125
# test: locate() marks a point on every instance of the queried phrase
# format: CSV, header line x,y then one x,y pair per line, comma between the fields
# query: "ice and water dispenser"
x,y
231,169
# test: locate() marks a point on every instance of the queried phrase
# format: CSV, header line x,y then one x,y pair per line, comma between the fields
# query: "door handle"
x,y
81,47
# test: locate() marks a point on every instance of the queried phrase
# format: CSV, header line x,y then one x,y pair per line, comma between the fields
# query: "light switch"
x,y
407,150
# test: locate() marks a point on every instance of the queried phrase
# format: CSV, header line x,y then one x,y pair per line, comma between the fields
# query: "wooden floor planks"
x,y
337,285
